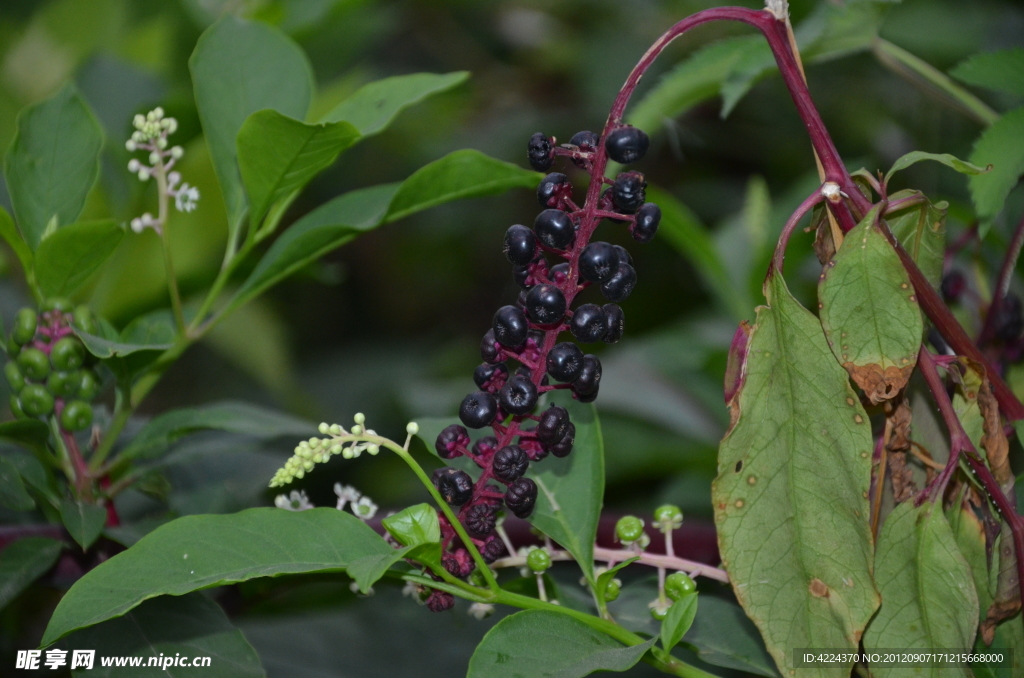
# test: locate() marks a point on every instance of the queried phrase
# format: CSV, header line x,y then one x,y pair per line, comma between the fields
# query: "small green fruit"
x,y
14,376
668,515
538,560
16,408
87,383
679,585
84,319
68,354
611,590
62,384
629,529
57,304
659,612
34,364
36,401
25,324
76,416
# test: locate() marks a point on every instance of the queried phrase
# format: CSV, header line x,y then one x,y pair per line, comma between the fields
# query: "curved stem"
x,y
806,206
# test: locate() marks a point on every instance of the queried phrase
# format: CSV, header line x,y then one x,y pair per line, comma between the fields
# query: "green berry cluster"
x,y
49,369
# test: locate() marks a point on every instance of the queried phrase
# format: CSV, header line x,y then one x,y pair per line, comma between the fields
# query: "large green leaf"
x,y
373,106
571,489
199,552
928,596
13,494
1002,70
240,67
191,626
52,163
869,311
543,644
921,229
234,417
9,232
84,522
278,155
66,258
790,499
24,561
1002,146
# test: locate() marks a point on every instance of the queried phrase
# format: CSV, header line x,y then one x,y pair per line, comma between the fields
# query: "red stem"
x,y
805,207
1002,284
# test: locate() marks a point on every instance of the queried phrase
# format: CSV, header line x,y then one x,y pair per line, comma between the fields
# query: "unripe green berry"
x,y
57,304
679,585
16,408
76,416
84,319
538,560
25,324
13,349
68,354
629,529
36,401
34,364
87,383
668,517
62,384
612,590
14,376
659,612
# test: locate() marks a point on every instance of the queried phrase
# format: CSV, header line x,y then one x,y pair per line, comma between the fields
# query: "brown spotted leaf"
x,y
869,312
790,499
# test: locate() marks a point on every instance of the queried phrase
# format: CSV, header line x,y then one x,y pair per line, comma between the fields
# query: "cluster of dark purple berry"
x,y
527,333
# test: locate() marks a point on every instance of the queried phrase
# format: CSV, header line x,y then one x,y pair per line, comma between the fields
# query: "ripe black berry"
x,y
520,245
953,285
629,192
624,255
565,360
620,285
480,519
1010,322
559,273
454,486
589,376
539,152
440,601
510,462
554,228
564,446
589,323
587,398
626,145
510,326
458,563
521,496
488,349
598,262
484,446
545,304
553,190
647,219
449,440
586,141
553,424
518,395
492,549
616,323
478,409
490,377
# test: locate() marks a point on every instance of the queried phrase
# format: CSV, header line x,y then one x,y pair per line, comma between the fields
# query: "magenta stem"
x,y
1002,284
787,231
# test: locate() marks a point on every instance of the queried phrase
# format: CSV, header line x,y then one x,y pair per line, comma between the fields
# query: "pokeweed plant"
x,y
827,538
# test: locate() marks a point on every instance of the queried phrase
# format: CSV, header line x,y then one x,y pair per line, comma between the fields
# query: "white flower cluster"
x,y
360,504
296,501
315,451
151,132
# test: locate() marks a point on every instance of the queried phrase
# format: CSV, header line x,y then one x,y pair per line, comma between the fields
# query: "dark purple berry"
x,y
954,284
646,225
565,360
555,229
521,496
620,285
484,446
518,395
480,519
629,192
586,398
1010,321
454,486
616,323
492,549
623,254
553,424
510,462
553,190
545,304
564,446
589,323
559,273
458,563
488,348
440,601
626,145
490,377
540,153
510,326
450,440
520,245
598,262
589,377
608,205
586,141
478,409
521,274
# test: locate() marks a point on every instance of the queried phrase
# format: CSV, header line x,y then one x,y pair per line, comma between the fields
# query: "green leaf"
x,y
1002,70
203,551
240,67
1002,146
605,577
678,621
52,163
278,155
724,636
190,626
30,433
790,499
373,106
921,229
869,311
153,331
946,159
84,522
571,489
414,526
13,494
31,470
66,259
543,644
9,232
24,561
234,417
928,596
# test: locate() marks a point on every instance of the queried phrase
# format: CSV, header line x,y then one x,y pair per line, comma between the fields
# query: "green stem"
x,y
165,245
916,69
